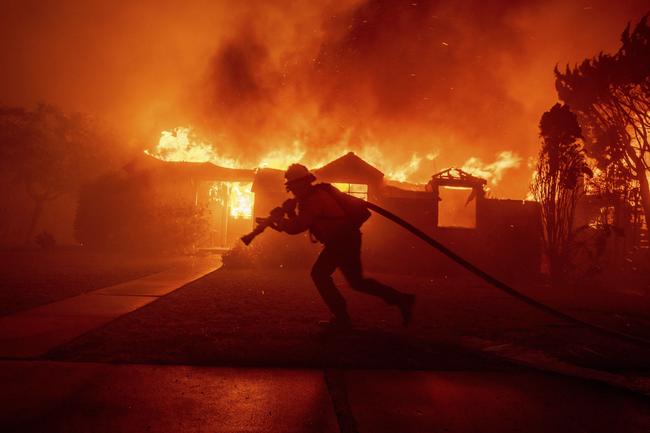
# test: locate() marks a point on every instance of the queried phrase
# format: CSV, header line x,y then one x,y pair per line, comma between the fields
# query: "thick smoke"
x,y
457,80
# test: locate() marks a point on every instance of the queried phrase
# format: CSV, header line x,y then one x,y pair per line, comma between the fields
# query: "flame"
x,y
180,144
237,196
398,172
241,200
281,159
492,172
215,193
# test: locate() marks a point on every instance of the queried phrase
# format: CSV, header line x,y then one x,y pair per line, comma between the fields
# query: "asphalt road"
x,y
86,397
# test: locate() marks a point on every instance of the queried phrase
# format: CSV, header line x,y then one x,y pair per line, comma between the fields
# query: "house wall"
x,y
506,241
512,234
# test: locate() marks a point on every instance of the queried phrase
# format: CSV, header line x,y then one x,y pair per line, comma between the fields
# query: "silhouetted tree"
x,y
49,153
611,96
558,185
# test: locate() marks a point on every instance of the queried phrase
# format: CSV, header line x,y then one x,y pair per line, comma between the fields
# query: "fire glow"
x,y
180,144
492,172
236,197
241,200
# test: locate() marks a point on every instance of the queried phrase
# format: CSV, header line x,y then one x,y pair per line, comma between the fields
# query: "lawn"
x,y
35,277
269,318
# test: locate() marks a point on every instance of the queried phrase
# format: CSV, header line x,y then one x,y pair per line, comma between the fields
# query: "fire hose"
x,y
263,223
498,283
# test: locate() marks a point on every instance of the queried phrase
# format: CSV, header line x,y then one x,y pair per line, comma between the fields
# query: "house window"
x,y
457,207
356,189
235,197
229,207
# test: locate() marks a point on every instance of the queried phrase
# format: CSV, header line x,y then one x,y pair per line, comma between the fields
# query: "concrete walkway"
x,y
74,397
31,333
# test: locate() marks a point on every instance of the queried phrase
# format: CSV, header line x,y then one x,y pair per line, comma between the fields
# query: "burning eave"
x,y
197,171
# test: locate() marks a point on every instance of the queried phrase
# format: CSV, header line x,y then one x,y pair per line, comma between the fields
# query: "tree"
x,y
49,153
558,185
611,96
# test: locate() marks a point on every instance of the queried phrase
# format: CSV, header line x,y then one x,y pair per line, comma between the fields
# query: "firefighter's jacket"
x,y
321,214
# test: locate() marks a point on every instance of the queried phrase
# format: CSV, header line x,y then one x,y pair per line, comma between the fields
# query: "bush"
x,y
45,240
241,257
123,211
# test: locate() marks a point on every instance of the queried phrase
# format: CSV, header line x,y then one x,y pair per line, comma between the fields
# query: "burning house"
x,y
223,193
499,235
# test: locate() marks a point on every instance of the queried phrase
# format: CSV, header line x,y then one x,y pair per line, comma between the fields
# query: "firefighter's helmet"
x,y
297,172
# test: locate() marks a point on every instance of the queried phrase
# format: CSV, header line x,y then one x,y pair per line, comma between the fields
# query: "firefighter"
x,y
332,219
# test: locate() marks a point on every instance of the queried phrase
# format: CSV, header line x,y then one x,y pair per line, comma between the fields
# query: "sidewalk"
x,y
31,333
82,397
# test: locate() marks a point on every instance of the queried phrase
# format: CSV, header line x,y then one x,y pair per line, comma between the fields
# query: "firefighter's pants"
x,y
344,253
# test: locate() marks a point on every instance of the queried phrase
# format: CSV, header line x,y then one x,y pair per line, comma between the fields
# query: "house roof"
x,y
349,168
191,170
457,177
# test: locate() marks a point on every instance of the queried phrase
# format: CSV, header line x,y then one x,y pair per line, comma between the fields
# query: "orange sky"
x,y
454,79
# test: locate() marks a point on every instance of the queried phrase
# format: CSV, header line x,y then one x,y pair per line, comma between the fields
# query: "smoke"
x,y
458,80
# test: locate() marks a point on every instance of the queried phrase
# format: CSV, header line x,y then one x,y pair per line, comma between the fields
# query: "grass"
x,y
35,277
269,318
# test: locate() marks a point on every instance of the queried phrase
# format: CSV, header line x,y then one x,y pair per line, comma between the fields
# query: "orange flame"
x,y
281,159
181,144
241,200
237,197
492,172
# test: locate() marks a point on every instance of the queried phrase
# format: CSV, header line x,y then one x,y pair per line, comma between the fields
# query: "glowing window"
x,y
457,207
356,189
241,200
236,197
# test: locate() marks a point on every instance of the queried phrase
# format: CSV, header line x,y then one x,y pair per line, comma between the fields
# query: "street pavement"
x,y
80,398
45,396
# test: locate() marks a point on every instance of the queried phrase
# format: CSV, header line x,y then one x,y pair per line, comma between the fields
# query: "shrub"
x,y
45,240
123,211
